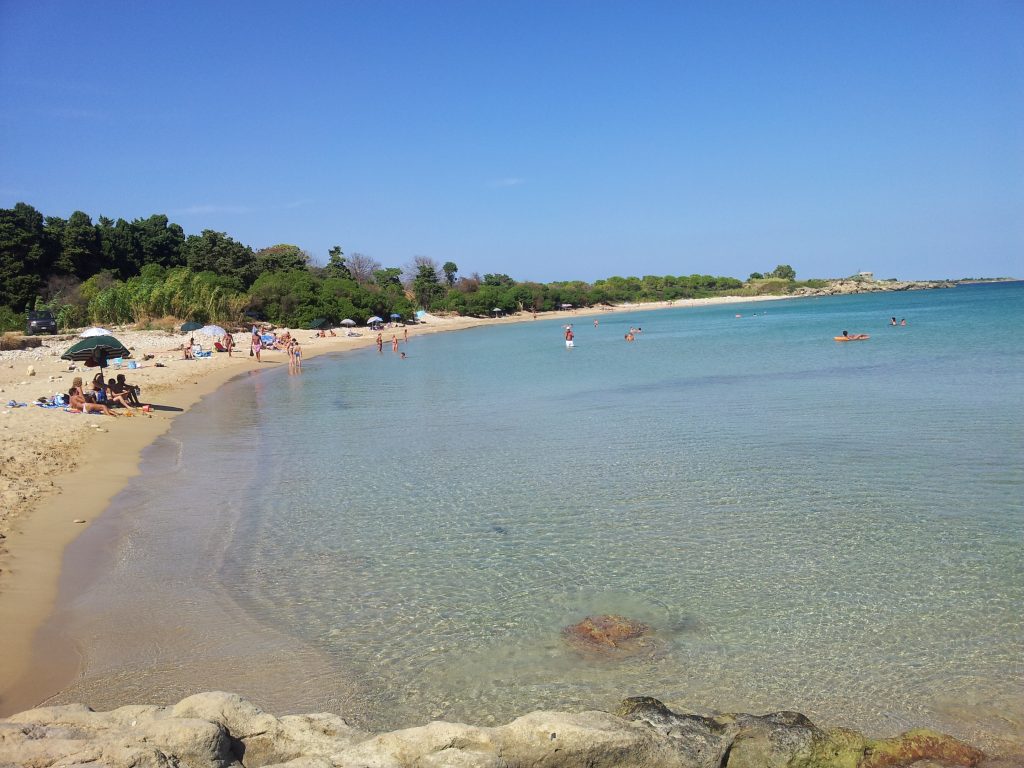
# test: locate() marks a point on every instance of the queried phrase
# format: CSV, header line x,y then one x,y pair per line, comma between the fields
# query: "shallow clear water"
x,y
832,528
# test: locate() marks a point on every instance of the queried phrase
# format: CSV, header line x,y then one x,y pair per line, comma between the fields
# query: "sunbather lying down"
x,y
79,404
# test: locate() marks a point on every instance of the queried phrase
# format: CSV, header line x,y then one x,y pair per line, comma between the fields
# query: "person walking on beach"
x,y
229,342
257,345
380,342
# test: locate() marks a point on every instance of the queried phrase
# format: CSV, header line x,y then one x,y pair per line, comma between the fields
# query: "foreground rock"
x,y
221,730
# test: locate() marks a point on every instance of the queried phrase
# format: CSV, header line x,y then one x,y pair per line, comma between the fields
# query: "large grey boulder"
x,y
222,730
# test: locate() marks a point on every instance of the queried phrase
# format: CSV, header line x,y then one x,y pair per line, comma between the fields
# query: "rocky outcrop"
x,y
221,730
844,287
789,739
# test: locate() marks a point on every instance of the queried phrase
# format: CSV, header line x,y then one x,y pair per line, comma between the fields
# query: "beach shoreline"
x,y
103,454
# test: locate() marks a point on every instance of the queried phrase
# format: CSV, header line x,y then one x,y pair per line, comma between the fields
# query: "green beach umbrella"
x,y
186,327
320,322
96,350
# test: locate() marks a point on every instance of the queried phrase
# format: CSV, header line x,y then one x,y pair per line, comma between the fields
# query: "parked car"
x,y
40,322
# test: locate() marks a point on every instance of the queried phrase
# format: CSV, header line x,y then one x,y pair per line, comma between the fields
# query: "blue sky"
x,y
547,140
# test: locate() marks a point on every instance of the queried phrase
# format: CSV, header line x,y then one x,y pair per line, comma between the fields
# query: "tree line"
x,y
114,272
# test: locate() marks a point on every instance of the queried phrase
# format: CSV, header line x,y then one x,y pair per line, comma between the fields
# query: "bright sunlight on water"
x,y
831,528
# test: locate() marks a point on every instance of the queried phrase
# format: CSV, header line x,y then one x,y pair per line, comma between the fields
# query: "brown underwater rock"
x,y
608,634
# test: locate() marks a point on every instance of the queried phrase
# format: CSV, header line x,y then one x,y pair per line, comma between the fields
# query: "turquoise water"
x,y
832,528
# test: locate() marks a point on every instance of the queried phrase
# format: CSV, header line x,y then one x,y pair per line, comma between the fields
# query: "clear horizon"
x,y
548,141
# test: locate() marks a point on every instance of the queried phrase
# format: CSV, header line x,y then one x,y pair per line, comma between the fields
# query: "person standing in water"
x,y
380,342
394,343
569,336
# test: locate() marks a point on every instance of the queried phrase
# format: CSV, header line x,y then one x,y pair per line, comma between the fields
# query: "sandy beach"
x,y
60,470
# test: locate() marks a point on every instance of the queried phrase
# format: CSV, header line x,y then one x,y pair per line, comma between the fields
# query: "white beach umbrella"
x,y
94,331
212,330
348,323
374,319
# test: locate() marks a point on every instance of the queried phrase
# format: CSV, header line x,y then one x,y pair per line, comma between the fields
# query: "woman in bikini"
x,y
79,404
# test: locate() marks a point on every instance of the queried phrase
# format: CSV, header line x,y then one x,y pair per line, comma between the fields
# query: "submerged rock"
x,y
608,635
222,730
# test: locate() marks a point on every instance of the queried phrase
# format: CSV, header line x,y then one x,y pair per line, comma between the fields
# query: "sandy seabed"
x,y
59,470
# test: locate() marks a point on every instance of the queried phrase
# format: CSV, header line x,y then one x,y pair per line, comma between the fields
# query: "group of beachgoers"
x,y
394,342
631,334
847,336
103,396
285,343
570,335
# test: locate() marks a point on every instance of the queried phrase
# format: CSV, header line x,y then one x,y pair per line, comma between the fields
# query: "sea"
x,y
833,528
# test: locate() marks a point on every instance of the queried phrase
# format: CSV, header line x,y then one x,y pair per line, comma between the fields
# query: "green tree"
x,y
23,255
389,277
159,241
280,258
426,286
498,279
80,247
336,266
216,252
783,272
450,269
119,247
756,276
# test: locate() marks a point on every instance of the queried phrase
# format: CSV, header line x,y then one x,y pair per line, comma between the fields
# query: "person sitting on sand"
x,y
130,391
99,389
116,394
78,404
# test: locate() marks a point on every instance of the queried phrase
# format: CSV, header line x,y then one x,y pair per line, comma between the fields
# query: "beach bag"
x,y
251,353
